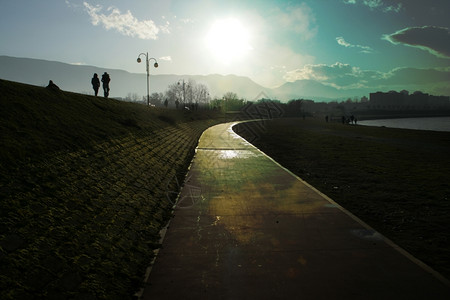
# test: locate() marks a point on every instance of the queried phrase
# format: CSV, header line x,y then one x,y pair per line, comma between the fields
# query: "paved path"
x,y
245,228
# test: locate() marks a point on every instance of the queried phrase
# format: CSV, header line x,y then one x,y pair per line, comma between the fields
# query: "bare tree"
x,y
174,93
157,99
203,95
132,97
188,94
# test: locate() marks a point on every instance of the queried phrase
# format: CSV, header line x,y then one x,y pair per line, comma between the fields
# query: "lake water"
x,y
435,123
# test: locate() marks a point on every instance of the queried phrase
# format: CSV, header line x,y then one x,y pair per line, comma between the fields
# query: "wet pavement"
x,y
246,228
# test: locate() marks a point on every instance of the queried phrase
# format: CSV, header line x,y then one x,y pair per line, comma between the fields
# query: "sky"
x,y
345,44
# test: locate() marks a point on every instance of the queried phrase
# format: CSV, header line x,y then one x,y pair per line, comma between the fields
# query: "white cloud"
x,y
342,42
373,3
377,4
392,8
124,23
165,28
268,65
338,75
70,4
299,19
364,49
344,76
166,58
435,40
187,21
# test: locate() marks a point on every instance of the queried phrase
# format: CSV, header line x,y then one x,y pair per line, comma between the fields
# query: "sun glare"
x,y
228,40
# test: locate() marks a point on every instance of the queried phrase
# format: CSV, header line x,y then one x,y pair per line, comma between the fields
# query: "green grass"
x,y
396,180
84,185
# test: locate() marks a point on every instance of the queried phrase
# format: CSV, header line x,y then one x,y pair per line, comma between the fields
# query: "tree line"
x,y
181,94
192,95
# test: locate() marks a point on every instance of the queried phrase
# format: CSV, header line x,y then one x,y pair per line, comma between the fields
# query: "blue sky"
x,y
342,43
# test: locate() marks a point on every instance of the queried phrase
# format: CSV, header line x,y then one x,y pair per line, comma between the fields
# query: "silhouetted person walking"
x,y
106,79
95,83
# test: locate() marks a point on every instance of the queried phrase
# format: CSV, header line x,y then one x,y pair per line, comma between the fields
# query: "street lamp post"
x,y
147,61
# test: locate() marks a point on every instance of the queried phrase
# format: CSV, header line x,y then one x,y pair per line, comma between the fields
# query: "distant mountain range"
x,y
77,78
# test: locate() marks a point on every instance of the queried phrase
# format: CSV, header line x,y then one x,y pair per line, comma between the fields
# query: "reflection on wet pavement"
x,y
230,154
245,228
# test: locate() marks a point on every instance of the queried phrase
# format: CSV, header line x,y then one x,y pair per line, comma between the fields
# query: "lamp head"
x,y
155,65
138,59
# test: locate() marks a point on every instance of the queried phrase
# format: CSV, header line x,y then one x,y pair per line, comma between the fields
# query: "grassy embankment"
x,y
83,188
396,180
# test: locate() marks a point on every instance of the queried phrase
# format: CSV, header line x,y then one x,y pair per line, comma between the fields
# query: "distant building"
x,y
394,101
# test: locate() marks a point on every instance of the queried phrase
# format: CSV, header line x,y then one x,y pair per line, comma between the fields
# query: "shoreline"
x,y
441,124
393,115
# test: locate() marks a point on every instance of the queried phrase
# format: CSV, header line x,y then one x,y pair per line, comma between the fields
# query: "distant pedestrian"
x,y
52,86
326,119
177,103
106,79
166,103
95,83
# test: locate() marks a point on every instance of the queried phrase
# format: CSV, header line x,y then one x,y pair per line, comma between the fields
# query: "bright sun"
x,y
228,40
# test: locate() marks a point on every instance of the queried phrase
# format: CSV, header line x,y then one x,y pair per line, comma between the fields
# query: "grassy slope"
x,y
84,185
396,180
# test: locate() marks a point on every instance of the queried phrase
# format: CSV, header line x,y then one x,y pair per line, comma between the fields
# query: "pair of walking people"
x,y
96,84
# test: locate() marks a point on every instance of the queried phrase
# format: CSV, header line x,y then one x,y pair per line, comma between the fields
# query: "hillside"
x,y
77,78
86,184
